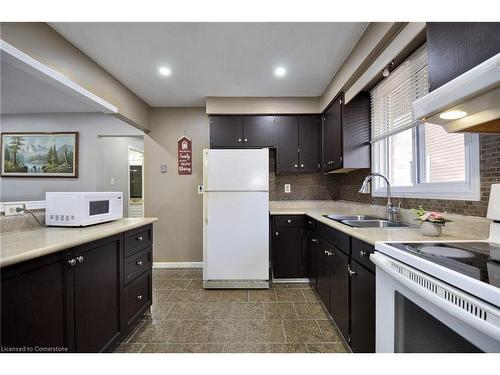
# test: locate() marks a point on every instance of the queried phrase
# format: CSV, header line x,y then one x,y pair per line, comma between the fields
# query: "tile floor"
x,y
185,318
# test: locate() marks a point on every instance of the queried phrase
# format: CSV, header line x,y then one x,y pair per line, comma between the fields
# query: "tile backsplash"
x,y
316,186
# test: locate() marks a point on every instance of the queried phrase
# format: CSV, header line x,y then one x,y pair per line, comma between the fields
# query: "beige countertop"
x,y
369,235
20,246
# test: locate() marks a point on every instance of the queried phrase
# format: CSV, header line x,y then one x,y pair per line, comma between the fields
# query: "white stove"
x,y
440,296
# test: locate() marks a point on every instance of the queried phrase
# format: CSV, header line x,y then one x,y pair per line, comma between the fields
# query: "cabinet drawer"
x,y
137,296
137,264
361,252
337,238
288,220
138,239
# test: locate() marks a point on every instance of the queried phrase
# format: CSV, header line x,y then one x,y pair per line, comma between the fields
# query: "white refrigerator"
x,y
236,218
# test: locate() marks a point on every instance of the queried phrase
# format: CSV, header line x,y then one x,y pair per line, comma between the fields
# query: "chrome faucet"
x,y
392,211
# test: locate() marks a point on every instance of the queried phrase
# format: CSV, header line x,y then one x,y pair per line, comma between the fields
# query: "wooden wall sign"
x,y
184,156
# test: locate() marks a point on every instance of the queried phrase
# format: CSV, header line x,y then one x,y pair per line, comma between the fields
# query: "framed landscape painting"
x,y
39,154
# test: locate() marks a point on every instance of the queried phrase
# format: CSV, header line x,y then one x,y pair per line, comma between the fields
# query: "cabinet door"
x,y
362,309
309,143
288,252
332,136
312,251
323,272
97,294
258,131
287,155
356,132
37,303
226,131
339,291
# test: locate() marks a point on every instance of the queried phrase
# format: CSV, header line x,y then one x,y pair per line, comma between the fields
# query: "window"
x,y
420,159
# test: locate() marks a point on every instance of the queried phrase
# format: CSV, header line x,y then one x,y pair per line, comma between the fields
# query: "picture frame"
x,y
39,154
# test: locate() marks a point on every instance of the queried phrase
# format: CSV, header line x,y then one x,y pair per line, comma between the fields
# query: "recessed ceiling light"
x,y
452,115
279,71
164,71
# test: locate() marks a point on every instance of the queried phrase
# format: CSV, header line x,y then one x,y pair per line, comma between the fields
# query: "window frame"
x,y
468,190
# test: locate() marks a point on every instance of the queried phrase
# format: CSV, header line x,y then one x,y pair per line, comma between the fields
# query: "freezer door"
x,y
236,170
236,236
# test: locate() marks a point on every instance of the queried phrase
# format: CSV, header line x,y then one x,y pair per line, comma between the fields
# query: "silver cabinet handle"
x,y
330,253
239,140
277,233
289,221
302,166
296,165
139,297
80,259
362,253
139,263
72,262
314,240
246,139
309,222
351,272
139,238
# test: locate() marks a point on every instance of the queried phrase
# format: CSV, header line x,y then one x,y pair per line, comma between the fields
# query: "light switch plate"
x,y
163,168
288,188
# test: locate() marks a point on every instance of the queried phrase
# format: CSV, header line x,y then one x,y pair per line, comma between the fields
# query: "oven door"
x,y
416,313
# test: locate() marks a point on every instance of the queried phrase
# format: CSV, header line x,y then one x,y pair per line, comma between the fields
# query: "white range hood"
x,y
468,103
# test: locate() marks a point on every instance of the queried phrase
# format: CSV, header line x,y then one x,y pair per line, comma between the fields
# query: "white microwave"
x,y
79,209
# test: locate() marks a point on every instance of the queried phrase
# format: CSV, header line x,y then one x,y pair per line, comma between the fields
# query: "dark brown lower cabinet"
x,y
339,291
97,294
362,309
323,272
312,251
288,253
71,300
37,305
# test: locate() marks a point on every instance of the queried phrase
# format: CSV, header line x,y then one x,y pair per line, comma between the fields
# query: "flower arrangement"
x,y
430,216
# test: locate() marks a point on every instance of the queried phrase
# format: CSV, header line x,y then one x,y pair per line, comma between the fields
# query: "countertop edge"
x,y
362,235
47,250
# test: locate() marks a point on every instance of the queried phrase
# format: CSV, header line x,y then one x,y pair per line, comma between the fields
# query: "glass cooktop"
x,y
479,260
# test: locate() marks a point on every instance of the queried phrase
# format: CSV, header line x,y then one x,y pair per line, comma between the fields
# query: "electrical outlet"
x,y
11,209
288,188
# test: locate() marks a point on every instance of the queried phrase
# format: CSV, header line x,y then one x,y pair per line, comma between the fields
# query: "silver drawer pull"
x,y
72,262
80,259
289,221
139,238
139,297
139,263
314,240
362,253
302,166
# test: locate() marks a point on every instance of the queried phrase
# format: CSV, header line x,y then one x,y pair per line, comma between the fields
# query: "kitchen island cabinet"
x,y
76,299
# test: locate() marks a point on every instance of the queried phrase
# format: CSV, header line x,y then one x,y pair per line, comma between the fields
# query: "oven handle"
x,y
493,331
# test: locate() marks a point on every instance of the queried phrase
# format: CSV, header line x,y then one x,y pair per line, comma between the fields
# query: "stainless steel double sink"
x,y
365,221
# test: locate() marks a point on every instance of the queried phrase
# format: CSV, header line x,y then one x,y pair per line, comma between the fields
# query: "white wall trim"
x,y
22,61
30,205
177,264
291,281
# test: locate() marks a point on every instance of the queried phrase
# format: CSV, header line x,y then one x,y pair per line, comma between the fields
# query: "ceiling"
x,y
216,59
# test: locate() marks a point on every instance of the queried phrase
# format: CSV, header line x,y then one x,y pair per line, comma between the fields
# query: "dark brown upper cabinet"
x,y
346,134
297,144
456,47
287,153
332,136
356,132
258,131
226,131
242,131
309,128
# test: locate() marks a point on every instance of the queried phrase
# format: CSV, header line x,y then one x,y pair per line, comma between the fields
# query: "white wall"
x,y
90,127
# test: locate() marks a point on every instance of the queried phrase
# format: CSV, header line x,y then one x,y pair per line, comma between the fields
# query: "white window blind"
x,y
391,109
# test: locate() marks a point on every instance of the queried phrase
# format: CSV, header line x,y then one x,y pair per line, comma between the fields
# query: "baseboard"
x,y
291,281
177,264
